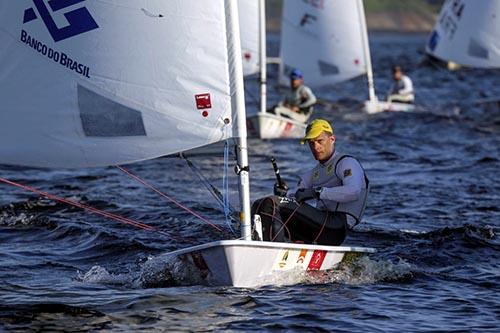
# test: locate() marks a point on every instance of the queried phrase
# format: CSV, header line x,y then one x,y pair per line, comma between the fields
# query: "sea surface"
x,y
433,215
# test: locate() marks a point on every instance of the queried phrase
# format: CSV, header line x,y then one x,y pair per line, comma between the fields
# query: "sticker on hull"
x,y
316,260
288,259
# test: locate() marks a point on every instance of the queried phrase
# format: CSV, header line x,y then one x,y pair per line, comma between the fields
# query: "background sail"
x,y
249,30
323,39
468,33
109,82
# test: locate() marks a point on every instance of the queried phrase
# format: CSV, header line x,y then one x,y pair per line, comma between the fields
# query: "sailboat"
x,y
328,40
103,83
373,104
261,124
467,33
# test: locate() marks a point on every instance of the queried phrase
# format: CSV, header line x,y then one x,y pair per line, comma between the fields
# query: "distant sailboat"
x,y
324,40
467,33
262,124
122,83
328,41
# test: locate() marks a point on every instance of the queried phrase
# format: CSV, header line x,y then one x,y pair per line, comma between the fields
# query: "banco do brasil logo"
x,y
79,19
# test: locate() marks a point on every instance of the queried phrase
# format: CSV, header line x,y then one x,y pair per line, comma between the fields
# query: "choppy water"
x,y
433,216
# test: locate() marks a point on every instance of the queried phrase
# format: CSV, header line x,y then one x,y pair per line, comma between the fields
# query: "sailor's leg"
x,y
400,99
268,210
272,109
311,225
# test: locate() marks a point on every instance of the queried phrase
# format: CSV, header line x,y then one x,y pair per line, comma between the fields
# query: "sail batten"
x,y
138,84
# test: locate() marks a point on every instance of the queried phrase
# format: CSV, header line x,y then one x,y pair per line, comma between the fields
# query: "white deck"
x,y
372,107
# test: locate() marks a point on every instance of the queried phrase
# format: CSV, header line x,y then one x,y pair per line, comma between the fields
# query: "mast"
x,y
236,79
366,53
263,56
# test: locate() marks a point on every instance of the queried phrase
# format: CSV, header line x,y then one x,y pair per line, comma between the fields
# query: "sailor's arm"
x,y
310,98
353,182
393,90
287,99
408,87
305,180
304,190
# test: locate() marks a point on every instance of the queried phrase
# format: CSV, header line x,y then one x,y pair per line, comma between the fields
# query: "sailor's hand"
x,y
304,194
280,190
295,109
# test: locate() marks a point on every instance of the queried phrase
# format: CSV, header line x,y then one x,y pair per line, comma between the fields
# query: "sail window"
x,y
478,51
102,117
327,69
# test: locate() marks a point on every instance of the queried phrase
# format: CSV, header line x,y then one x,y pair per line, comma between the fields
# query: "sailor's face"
x,y
322,146
397,75
295,83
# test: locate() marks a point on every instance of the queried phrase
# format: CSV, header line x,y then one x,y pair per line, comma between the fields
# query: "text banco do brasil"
x,y
59,57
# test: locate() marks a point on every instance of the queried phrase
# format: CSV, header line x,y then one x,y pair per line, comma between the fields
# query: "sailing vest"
x,y
404,88
334,173
302,97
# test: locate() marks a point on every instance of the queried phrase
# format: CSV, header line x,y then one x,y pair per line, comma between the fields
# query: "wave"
x,y
484,234
165,271
55,317
156,272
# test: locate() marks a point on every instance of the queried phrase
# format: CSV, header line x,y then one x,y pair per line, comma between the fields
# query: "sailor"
x,y
328,197
402,88
298,103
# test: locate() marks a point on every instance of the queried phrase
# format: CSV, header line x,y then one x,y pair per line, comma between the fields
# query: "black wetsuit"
x,y
284,219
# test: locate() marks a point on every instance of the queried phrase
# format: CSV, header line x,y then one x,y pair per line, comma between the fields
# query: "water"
x,y
433,216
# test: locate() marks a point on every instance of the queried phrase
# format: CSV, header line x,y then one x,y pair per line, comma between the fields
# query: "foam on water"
x,y
156,272
366,271
166,271
21,219
363,271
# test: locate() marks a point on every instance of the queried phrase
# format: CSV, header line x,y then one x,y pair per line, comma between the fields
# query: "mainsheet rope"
x,y
85,207
175,202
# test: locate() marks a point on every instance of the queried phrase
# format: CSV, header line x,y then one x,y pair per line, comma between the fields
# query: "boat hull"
x,y
247,264
270,126
372,107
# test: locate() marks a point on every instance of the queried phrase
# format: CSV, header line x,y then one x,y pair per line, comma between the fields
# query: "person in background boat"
x,y
402,88
298,103
329,197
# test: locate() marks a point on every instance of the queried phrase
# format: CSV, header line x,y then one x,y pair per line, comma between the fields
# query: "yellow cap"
x,y
315,128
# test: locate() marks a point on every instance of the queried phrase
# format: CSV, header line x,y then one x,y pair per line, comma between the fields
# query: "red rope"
x,y
286,222
322,228
143,182
85,207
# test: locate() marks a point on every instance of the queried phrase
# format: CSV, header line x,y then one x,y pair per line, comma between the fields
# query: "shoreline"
x,y
384,22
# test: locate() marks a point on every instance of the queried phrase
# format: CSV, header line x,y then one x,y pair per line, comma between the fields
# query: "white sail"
x,y
323,39
249,29
468,33
94,83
